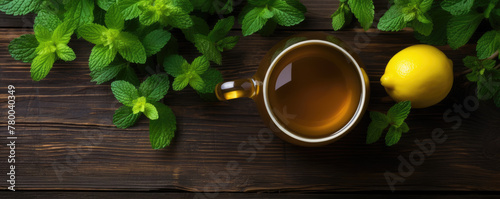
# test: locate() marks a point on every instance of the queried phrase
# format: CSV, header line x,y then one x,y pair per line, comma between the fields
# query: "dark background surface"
x,y
68,147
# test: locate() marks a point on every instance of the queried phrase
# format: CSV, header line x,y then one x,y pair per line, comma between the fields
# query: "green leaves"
x,y
124,117
394,119
79,11
20,7
185,73
398,113
214,6
283,12
174,13
112,40
155,87
342,16
487,77
155,41
212,43
124,92
411,13
144,101
364,11
24,48
194,74
457,7
488,44
44,48
161,131
461,28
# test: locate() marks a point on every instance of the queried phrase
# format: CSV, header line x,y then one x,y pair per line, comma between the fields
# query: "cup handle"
x,y
237,89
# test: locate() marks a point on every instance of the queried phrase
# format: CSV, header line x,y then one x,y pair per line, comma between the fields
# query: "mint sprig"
x,y
212,42
187,74
408,13
363,10
283,12
394,120
174,13
144,100
487,77
43,48
111,40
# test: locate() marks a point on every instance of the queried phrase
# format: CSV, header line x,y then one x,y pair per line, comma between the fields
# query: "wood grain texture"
x,y
66,140
134,195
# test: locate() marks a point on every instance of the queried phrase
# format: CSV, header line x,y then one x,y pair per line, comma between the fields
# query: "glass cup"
x,y
257,88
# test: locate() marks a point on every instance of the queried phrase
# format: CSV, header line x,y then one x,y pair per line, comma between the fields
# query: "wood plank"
x,y
65,121
127,195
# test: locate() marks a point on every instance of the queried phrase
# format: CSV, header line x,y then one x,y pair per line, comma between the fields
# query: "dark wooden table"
x,y
68,147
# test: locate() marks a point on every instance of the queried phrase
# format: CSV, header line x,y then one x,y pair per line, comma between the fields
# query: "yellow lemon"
x,y
421,74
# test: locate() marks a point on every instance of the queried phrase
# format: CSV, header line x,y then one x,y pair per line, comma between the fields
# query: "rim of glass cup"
x,y
339,132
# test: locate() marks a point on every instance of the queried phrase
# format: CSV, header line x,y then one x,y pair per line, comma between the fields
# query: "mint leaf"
x,y
286,15
364,11
161,131
20,7
254,20
48,20
438,35
109,72
461,28
62,33
214,6
130,8
200,65
124,92
196,82
41,65
43,34
149,17
393,20
155,41
173,65
92,33
379,119
105,4
488,44
131,48
221,29
211,77
341,17
199,27
150,111
398,113
178,18
374,133
128,74
65,53
114,19
457,7
422,28
393,136
124,117
80,12
227,43
379,122
180,82
155,87
208,48
100,57
297,5
404,127
23,48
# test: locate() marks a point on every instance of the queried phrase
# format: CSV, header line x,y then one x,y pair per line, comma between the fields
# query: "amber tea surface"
x,y
314,90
